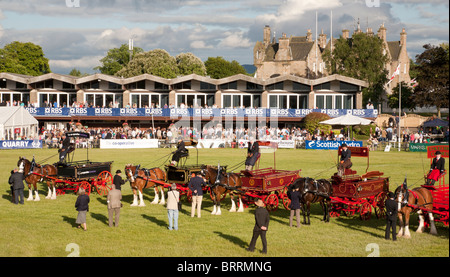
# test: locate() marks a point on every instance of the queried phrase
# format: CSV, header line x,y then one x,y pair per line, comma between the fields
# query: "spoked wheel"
x,y
86,186
104,183
365,211
285,199
271,202
379,208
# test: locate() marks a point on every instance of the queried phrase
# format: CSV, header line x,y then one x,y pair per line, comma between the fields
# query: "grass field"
x,y
46,228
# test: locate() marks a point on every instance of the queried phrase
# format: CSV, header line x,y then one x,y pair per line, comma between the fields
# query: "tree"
x,y
407,97
433,77
188,63
116,59
218,68
24,58
156,62
77,73
312,120
360,57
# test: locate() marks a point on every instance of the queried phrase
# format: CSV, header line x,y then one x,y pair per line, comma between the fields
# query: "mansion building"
x,y
302,56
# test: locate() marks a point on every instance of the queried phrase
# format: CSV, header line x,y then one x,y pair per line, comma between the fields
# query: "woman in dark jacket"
x,y
82,206
294,196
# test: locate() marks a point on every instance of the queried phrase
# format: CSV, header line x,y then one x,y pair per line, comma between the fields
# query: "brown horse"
x,y
313,191
220,185
29,168
410,201
142,179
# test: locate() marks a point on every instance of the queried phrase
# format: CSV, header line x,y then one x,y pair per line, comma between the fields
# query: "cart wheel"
x,y
104,183
379,208
271,202
285,199
86,186
365,211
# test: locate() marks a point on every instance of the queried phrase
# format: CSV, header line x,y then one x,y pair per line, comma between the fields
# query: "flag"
x,y
396,72
414,83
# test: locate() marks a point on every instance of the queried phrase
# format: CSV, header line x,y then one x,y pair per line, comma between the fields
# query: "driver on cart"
x,y
345,160
66,147
436,170
180,152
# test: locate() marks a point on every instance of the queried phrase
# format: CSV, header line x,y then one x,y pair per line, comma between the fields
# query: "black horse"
x,y
313,191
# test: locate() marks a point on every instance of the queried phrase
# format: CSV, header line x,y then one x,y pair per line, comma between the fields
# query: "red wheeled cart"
x,y
355,194
268,184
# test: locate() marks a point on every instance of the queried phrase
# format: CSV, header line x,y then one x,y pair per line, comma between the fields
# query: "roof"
x,y
300,49
16,116
394,49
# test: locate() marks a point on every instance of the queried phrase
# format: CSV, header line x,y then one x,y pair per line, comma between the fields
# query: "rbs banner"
x,y
330,144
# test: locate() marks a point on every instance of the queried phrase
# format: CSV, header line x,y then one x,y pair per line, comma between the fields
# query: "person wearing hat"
x,y
180,152
437,169
173,198
391,217
196,186
262,219
118,181
345,161
252,154
65,148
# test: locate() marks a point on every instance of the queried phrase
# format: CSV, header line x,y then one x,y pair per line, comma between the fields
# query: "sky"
x,y
78,33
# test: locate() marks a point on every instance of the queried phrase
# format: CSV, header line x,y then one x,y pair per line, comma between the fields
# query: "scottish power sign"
x,y
20,144
204,113
330,144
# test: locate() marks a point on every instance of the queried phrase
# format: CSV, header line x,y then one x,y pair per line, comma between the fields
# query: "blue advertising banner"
x,y
204,112
20,144
330,144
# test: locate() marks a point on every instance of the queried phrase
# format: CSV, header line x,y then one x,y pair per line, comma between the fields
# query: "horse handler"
x,y
261,224
391,217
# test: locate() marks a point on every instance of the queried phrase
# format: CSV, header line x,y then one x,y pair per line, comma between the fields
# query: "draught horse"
x,y
42,172
221,184
312,191
410,201
142,179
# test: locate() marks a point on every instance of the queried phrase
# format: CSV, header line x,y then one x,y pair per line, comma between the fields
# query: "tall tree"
x,y
218,68
360,57
188,63
156,62
433,77
116,59
407,97
24,58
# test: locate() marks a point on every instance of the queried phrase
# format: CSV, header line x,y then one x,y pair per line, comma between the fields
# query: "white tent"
x,y
347,120
15,122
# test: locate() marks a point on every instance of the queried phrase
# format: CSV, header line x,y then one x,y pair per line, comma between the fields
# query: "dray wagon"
x,y
268,184
73,175
355,194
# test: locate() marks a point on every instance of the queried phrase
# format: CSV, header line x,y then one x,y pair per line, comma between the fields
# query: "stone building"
x,y
302,56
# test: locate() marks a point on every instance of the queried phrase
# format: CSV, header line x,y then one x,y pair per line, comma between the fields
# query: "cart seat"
x,y
348,171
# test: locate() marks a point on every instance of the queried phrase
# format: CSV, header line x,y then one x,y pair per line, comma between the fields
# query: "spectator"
x,y
294,196
261,226
114,205
195,185
173,198
82,206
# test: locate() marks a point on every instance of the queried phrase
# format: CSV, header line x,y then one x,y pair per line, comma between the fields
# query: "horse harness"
x,y
147,174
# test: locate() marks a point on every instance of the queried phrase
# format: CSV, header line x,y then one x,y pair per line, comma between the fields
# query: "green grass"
x,y
45,228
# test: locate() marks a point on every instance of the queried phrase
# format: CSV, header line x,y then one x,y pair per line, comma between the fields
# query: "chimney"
x,y
284,51
382,32
345,33
403,37
322,40
267,34
370,32
309,36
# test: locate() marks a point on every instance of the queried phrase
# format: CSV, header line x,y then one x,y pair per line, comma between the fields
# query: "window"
x,y
276,86
240,101
334,101
320,101
105,99
160,86
253,86
114,86
68,86
183,85
338,102
348,100
226,101
232,85
302,102
207,86
273,101
293,102
346,87
300,87
324,86
256,101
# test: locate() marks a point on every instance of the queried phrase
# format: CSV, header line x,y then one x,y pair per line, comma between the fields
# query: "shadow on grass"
x,y
100,217
70,220
153,219
235,240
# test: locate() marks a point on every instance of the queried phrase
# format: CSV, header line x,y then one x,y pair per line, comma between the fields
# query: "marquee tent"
x,y
16,122
347,120
437,122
